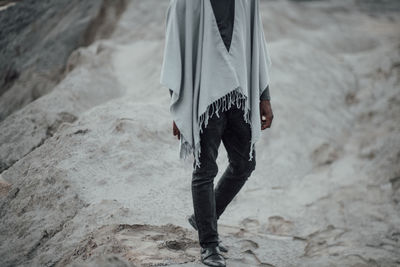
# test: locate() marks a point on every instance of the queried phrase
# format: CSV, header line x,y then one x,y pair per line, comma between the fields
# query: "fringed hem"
x,y
185,149
222,104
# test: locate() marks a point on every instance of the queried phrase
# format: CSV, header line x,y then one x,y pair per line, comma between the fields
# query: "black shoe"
x,y
212,256
192,222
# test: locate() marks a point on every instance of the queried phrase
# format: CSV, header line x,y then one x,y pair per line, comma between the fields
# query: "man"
x,y
210,47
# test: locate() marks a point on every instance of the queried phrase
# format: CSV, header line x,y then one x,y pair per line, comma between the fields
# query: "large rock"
x,y
36,39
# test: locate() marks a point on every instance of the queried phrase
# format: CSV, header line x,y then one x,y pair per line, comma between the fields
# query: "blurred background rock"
x,y
36,39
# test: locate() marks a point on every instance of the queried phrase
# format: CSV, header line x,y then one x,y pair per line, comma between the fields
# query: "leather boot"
x,y
212,256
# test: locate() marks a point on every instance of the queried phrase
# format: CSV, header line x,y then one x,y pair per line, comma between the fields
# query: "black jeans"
x,y
210,203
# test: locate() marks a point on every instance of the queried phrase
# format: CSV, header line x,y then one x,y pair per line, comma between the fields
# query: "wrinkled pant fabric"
x,y
209,203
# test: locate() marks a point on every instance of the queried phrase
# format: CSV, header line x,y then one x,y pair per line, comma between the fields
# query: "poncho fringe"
x,y
222,104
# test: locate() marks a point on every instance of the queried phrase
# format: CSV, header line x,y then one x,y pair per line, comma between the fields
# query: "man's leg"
x,y
236,139
203,181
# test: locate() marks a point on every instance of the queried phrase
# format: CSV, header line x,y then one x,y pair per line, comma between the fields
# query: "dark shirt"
x,y
224,12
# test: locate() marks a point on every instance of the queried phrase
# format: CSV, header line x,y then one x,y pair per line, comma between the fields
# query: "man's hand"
x,y
266,115
175,130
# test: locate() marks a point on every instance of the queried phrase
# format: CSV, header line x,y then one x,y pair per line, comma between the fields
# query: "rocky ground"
x,y
90,174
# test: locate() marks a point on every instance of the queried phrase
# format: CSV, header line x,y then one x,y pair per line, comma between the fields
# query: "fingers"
x,y
266,114
266,121
266,125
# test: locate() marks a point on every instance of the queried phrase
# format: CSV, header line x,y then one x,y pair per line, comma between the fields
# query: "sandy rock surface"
x,y
90,174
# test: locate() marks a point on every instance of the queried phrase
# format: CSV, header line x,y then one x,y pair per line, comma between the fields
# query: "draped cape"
x,y
206,78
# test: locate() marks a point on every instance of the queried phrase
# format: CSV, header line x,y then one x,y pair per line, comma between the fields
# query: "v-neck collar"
x,y
219,32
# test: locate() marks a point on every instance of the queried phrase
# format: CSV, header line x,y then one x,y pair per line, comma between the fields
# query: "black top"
x,y
224,12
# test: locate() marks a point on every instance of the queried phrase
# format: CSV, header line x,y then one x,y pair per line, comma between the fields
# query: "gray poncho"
x,y
204,76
